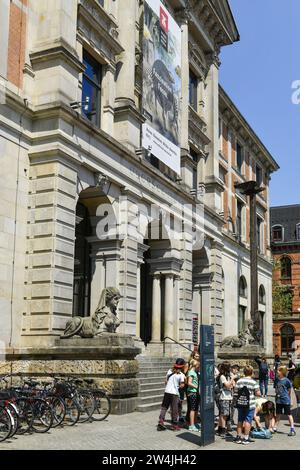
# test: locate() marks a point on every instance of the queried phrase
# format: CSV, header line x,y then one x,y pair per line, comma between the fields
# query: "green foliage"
x,y
282,298
282,294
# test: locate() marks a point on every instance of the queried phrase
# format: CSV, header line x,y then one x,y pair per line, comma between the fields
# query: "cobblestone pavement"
x,y
137,431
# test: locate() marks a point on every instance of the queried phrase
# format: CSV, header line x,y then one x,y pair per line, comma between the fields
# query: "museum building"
x,y
86,205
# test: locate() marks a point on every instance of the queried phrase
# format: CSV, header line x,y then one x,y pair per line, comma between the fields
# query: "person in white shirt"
x,y
175,380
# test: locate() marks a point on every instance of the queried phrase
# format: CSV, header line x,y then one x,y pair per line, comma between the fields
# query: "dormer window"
x,y
277,233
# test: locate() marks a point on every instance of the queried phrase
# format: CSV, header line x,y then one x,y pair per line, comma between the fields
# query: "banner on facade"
x,y
161,84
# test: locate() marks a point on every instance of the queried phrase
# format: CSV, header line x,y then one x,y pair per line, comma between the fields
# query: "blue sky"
x,y
258,73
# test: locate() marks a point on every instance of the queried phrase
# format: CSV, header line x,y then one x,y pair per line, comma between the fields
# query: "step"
x,y
151,391
149,407
149,374
155,366
151,399
151,385
151,380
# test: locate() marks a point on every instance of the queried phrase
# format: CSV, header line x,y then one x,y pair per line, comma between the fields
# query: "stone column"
x,y
108,85
176,307
127,117
138,301
169,302
156,309
97,281
182,19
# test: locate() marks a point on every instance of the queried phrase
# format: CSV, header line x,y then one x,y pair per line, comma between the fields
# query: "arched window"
x,y
243,287
287,338
277,233
262,295
286,267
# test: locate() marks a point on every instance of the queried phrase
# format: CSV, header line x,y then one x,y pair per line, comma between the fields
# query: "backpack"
x,y
263,369
217,388
261,433
243,398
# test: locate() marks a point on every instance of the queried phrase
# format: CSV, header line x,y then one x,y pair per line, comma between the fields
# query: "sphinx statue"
x,y
244,338
103,320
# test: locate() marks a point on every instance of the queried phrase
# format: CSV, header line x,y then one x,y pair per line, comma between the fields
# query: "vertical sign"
x,y
161,84
207,381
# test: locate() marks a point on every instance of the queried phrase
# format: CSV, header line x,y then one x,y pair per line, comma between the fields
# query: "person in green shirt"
x,y
193,394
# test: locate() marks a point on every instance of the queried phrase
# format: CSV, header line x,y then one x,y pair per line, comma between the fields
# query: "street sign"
x,y
207,383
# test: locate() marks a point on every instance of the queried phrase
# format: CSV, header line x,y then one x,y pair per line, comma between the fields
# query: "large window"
x,y
287,338
277,233
243,287
193,91
259,175
259,235
262,295
91,89
286,267
239,220
239,157
241,318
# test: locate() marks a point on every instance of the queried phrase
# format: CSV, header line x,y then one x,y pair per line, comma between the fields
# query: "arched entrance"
x,y
96,250
201,278
159,273
287,333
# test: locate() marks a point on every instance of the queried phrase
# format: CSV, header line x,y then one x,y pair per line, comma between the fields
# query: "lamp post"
x,y
251,189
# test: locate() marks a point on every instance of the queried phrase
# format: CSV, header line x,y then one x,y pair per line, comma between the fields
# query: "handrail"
x,y
174,340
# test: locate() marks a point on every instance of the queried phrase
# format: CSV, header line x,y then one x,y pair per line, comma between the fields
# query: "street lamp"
x,y
251,189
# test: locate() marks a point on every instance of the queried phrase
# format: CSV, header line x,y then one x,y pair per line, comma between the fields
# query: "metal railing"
x,y
174,341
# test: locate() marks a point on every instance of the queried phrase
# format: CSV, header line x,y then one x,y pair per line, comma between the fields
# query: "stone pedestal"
x,y
108,359
241,356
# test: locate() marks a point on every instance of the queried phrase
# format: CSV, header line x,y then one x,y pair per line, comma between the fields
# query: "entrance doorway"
x,y
146,300
82,263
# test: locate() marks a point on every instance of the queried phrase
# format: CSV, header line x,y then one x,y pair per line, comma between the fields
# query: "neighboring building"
x,y
285,244
71,156
243,157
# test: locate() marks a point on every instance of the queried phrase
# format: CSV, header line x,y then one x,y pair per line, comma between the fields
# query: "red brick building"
x,y
285,245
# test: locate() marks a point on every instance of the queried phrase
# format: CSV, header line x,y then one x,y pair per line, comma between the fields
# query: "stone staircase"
x,y
152,381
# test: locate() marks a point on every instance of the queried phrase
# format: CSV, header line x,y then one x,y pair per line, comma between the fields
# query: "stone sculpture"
x,y
245,338
103,320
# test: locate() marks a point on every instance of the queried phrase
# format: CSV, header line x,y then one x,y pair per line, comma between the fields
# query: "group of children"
x,y
231,391
243,393
181,380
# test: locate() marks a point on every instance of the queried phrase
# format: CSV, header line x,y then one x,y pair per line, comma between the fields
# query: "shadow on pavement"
x,y
190,437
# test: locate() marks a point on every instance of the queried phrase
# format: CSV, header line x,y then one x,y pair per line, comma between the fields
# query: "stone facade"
x,y
84,206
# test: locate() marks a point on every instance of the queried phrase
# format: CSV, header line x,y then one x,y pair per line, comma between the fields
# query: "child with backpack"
x,y
175,380
226,383
265,409
246,391
193,394
283,399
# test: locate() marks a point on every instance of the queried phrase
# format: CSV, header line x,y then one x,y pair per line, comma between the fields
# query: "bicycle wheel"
x,y
5,424
103,406
87,405
25,415
13,410
72,411
58,409
42,416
